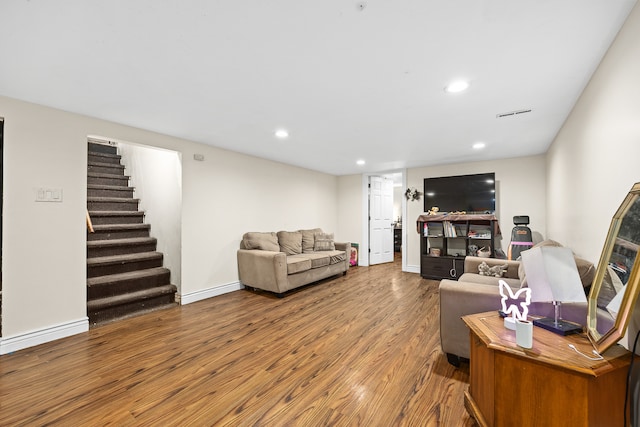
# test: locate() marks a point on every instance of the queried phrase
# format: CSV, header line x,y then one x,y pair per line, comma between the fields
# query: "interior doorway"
x,y
396,231
381,224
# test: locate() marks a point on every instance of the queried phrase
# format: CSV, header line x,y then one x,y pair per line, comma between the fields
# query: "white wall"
x,y
44,244
156,175
595,158
593,162
350,208
520,190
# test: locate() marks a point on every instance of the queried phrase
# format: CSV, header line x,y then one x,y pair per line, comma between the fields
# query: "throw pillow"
x,y
290,242
324,242
261,241
308,239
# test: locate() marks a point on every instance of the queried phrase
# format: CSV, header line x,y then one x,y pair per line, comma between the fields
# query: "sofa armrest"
x,y
263,269
471,264
342,246
346,247
458,299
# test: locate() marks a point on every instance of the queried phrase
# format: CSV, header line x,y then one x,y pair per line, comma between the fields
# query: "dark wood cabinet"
x,y
397,239
441,267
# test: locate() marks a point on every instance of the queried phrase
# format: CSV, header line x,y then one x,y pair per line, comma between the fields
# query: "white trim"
x,y
413,269
364,245
41,336
405,226
210,292
363,255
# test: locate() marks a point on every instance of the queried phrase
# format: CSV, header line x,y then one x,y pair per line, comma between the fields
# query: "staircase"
x,y
125,276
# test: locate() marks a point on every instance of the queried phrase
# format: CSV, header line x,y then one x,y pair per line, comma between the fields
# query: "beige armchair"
x,y
474,293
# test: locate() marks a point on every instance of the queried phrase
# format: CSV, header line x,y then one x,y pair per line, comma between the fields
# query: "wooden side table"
x,y
547,385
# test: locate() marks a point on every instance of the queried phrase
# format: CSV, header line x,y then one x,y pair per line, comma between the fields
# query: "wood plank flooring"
x,y
358,350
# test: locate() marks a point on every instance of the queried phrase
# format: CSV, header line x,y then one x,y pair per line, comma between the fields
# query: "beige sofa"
x,y
279,262
473,293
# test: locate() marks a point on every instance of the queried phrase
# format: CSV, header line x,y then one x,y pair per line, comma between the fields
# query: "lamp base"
x,y
562,327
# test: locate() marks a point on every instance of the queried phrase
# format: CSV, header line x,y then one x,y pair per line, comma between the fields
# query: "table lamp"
x,y
553,276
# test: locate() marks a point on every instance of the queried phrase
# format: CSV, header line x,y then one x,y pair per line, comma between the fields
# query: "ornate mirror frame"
x,y
602,340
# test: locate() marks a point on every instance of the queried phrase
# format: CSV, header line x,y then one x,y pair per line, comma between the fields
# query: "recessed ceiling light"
x,y
282,133
479,145
457,86
360,162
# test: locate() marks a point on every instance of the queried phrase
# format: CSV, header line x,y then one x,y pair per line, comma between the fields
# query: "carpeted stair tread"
x,y
105,321
116,217
107,175
121,259
131,275
107,227
108,187
99,146
121,242
108,156
112,199
105,165
102,303
116,213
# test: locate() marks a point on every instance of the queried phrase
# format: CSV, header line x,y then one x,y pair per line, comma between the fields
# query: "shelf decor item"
x,y
514,304
484,252
524,333
412,194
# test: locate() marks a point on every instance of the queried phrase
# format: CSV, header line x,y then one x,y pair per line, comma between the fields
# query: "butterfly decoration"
x,y
512,302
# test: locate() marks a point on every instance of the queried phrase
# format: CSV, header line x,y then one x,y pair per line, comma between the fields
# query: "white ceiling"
x,y
348,83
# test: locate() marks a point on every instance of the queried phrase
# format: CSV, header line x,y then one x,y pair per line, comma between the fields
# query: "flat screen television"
x,y
469,193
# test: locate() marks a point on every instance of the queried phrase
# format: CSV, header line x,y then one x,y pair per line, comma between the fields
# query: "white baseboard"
x,y
41,336
190,297
413,269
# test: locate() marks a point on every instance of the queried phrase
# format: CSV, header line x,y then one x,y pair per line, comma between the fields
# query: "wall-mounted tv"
x,y
469,193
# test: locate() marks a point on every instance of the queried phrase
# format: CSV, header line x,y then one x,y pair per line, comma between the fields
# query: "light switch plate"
x,y
49,194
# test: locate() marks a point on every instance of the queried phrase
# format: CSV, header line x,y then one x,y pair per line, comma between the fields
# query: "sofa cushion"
x,y
318,259
337,256
324,242
488,280
297,264
290,242
262,241
308,239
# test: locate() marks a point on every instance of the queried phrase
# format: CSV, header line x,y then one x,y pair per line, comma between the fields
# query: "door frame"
x,y
364,245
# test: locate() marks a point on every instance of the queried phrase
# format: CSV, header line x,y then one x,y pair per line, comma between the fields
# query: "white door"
x,y
380,220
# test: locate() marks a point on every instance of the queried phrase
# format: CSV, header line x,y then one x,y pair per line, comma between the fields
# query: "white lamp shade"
x,y
552,274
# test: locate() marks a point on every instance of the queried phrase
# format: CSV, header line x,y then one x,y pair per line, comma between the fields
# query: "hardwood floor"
x,y
358,350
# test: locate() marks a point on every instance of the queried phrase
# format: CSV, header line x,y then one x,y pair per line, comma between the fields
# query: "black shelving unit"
x,y
445,241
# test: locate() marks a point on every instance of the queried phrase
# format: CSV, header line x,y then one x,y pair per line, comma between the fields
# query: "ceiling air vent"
x,y
512,113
